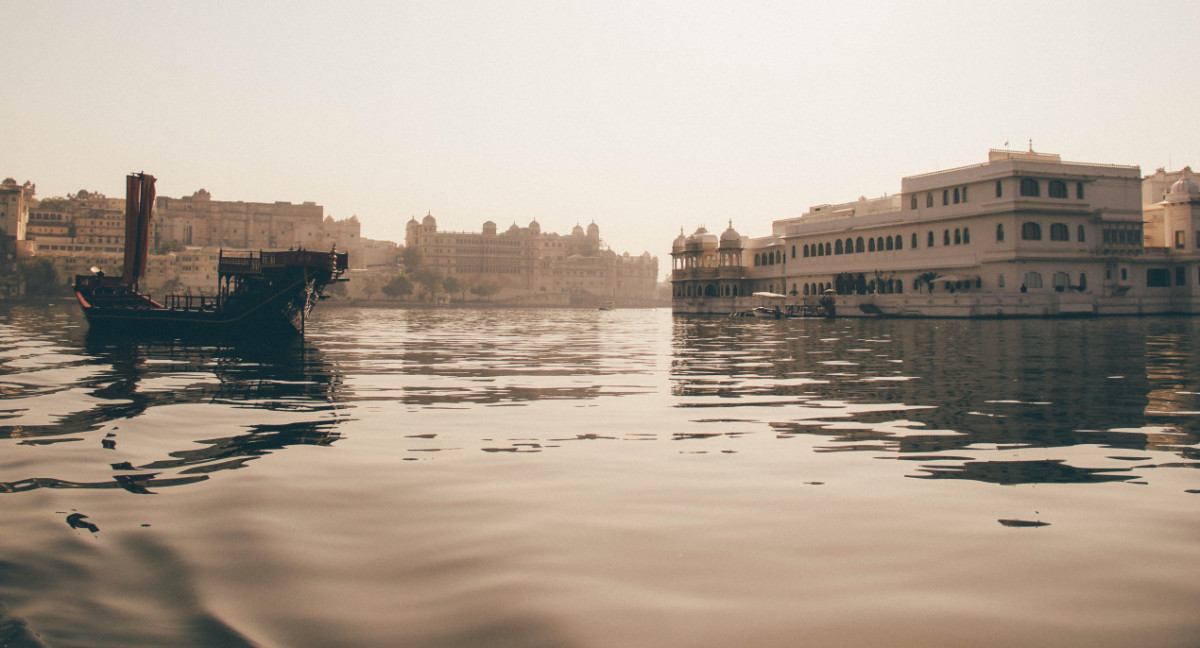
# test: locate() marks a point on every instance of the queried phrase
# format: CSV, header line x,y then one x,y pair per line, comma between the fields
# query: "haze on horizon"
x,y
643,117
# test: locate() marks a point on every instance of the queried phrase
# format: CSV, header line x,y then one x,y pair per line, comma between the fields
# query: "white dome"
x,y
1184,190
680,241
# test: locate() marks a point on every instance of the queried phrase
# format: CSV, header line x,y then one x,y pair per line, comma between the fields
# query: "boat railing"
x,y
254,262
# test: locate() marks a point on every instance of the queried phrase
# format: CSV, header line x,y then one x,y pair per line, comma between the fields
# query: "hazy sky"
x,y
641,116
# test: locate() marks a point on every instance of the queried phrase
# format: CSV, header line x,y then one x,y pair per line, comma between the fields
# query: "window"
x,y
849,246
870,245
1062,281
827,249
1079,234
1158,278
1030,187
999,232
1000,280
1079,190
999,189
1180,240
793,251
1059,232
1057,189
1082,281
837,247
929,199
1033,280
899,242
964,194
929,240
914,240
805,250
966,235
1124,274
888,243
945,196
913,203
946,237
1031,231
858,245
1180,275
879,244
956,195
957,236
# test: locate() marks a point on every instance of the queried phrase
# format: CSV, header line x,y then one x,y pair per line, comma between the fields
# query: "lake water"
x,y
580,478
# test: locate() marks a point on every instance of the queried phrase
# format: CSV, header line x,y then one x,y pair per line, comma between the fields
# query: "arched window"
x,y
1062,281
946,237
899,242
793,251
929,199
914,240
999,232
929,240
912,203
849,246
1059,232
1033,280
999,189
945,196
1079,234
1057,189
805,250
964,194
828,248
756,259
956,195
805,289
888,243
837,247
820,250
858,244
966,235
870,245
1030,187
1031,231
957,236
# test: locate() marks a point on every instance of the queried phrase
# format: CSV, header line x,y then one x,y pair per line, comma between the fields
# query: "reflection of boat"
x,y
257,292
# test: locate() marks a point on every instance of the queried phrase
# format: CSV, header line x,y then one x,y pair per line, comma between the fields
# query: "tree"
x,y
166,247
429,279
453,285
485,289
40,278
927,279
411,257
398,286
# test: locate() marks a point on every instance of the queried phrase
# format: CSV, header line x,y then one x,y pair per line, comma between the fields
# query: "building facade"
x,y
1024,233
538,266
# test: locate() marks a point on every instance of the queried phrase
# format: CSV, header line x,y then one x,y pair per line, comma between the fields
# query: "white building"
x,y
1024,233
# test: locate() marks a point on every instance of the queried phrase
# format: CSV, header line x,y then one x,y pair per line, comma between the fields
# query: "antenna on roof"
x,y
1031,145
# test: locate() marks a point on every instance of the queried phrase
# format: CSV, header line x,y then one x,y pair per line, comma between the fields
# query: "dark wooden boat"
x,y
258,293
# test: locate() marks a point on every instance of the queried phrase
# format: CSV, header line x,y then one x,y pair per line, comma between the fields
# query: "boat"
x,y
258,293
607,306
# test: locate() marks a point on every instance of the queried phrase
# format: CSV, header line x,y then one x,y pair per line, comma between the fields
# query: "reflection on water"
x,y
448,477
67,387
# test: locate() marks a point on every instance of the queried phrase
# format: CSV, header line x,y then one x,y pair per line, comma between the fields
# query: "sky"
x,y
644,117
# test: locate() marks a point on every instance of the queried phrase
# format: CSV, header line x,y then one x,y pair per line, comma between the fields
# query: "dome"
x,y
730,237
534,227
429,220
680,242
489,228
703,238
1184,190
577,230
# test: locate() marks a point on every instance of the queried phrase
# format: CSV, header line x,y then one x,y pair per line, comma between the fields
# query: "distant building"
x,y
526,262
198,220
1023,234
15,201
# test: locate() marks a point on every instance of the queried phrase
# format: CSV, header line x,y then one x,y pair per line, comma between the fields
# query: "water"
x,y
585,478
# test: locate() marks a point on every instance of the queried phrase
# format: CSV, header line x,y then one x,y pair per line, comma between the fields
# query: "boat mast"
x,y
139,206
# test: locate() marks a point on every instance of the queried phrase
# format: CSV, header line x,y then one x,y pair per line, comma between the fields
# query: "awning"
x,y
770,295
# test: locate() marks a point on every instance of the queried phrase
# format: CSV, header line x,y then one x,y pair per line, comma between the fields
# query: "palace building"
x,y
537,267
1023,234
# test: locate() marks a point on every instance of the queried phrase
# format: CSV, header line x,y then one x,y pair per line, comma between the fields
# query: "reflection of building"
x,y
1024,233
526,261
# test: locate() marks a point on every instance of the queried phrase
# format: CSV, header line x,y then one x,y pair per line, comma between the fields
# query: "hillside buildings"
x,y
537,267
1023,234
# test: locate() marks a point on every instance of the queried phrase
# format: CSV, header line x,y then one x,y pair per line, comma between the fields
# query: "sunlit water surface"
x,y
586,478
